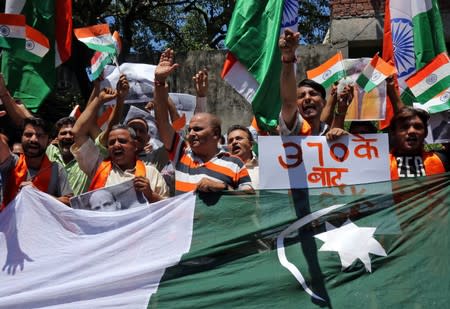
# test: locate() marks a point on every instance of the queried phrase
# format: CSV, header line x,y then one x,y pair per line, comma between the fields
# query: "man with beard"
x,y
60,153
408,130
302,105
199,164
122,163
33,167
240,143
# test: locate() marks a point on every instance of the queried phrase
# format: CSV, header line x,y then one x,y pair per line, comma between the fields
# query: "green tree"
x,y
148,26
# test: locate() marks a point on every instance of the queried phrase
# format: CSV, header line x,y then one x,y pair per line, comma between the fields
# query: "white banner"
x,y
55,256
312,162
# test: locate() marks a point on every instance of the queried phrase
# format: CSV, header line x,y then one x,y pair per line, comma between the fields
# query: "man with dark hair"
x,y
33,167
240,143
122,163
199,163
302,105
60,153
408,129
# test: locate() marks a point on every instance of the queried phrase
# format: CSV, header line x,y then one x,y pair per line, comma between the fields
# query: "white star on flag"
x,y
351,242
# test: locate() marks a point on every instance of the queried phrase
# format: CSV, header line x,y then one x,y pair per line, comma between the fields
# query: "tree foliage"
x,y
146,26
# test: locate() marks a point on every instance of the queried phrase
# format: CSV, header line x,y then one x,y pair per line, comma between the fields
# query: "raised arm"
x,y
327,114
288,43
164,68
94,129
343,101
201,89
393,94
4,148
81,128
122,89
16,112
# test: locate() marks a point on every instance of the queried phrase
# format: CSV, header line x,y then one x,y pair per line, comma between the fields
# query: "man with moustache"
x,y
240,143
32,167
199,164
122,163
60,152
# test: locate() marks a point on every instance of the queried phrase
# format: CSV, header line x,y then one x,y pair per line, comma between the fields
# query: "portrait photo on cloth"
x,y
113,198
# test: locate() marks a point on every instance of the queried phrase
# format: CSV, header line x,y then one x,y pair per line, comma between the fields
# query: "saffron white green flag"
x,y
12,30
101,59
97,37
329,72
36,46
438,104
415,28
359,246
31,82
374,73
431,80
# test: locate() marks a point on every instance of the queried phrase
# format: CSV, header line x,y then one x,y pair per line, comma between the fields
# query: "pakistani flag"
x,y
253,63
413,36
380,245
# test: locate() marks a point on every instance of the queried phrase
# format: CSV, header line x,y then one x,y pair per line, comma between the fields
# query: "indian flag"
x,y
31,82
439,103
101,59
341,247
253,63
12,30
329,72
36,46
431,79
413,36
374,73
97,37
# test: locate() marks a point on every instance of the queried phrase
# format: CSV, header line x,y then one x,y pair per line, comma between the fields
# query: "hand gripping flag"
x,y
374,73
329,72
431,80
97,37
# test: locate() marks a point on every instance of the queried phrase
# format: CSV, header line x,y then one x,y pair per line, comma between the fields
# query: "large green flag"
x,y
32,82
253,64
374,246
382,245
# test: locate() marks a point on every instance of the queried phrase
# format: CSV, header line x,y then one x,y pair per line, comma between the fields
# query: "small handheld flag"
x,y
329,72
96,37
432,79
374,73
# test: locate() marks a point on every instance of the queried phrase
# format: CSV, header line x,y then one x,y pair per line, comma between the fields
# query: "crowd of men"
x,y
80,157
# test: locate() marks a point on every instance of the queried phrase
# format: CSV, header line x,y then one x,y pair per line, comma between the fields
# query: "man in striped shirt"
x,y
199,163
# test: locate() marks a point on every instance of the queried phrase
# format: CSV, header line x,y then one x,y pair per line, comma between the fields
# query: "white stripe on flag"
x,y
76,258
15,32
242,81
101,40
437,104
435,77
36,48
337,67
